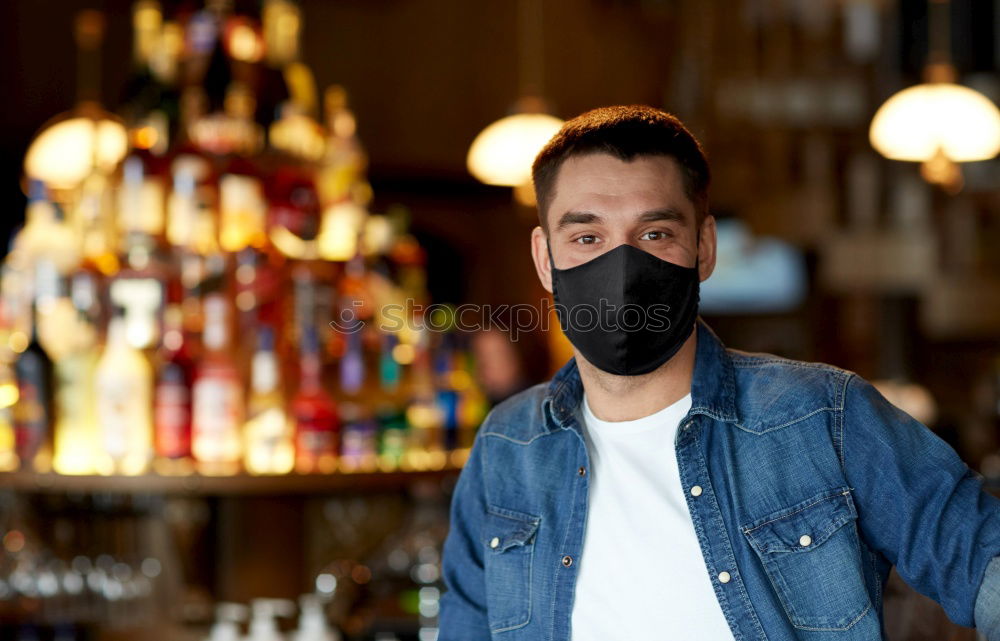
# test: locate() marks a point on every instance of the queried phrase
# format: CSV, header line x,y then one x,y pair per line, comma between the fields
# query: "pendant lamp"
x,y
938,123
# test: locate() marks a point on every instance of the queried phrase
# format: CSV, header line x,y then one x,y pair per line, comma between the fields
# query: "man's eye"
x,y
587,239
654,235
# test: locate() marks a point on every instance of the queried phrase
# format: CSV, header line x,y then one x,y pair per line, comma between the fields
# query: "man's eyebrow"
x,y
666,213
577,218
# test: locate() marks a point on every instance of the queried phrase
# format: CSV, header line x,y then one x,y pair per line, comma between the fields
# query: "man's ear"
x,y
706,247
540,254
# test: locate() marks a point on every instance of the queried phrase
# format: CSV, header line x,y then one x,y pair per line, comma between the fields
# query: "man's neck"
x,y
626,398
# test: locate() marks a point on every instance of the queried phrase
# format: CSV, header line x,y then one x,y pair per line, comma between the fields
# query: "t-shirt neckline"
x,y
669,415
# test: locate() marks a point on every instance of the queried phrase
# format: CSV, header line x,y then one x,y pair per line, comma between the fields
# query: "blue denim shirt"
x,y
780,449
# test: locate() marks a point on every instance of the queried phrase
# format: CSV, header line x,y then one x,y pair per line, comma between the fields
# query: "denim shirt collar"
x,y
713,387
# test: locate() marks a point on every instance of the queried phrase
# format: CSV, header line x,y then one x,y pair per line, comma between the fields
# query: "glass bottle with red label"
x,y
172,397
217,396
317,426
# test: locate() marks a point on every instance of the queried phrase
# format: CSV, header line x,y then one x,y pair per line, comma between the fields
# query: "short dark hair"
x,y
624,132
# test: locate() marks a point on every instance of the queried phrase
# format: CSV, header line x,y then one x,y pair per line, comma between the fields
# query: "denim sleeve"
x,y
918,504
988,602
463,605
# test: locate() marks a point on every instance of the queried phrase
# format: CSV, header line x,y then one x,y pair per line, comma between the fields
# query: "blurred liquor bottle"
x,y
94,224
217,397
172,396
287,91
424,415
360,340
473,404
8,398
54,312
142,193
78,446
288,98
448,382
317,426
358,430
124,390
344,161
192,229
242,208
33,411
340,181
277,27
46,236
391,401
140,286
150,101
313,303
269,446
151,109
212,69
190,169
16,295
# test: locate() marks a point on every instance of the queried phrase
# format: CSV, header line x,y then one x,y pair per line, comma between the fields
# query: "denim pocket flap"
x,y
509,537
804,526
505,529
810,552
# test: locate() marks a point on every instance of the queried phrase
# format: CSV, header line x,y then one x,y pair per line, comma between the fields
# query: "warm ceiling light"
x,y
919,122
938,123
503,152
67,150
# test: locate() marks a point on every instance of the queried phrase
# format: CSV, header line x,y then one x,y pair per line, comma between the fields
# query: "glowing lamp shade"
x,y
63,153
940,118
503,152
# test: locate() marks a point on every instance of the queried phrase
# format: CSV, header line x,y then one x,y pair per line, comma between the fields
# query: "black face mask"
x,y
627,311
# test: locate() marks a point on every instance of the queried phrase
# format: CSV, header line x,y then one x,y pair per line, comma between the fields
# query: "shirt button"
x,y
567,560
696,491
805,540
494,542
724,577
582,471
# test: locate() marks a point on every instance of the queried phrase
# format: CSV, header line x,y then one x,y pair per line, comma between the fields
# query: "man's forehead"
x,y
598,175
598,186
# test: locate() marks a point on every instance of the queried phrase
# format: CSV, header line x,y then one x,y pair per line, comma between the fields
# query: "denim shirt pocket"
x,y
508,538
811,553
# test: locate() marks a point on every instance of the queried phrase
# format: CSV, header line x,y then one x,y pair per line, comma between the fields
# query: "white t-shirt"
x,y
641,574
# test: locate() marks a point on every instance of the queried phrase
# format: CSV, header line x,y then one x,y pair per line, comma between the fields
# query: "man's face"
x,y
602,202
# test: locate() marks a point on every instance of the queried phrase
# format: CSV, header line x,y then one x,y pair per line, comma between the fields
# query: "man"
x,y
664,487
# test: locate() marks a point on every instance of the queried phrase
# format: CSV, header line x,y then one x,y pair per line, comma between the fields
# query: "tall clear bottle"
x,y
77,438
124,388
268,437
217,396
